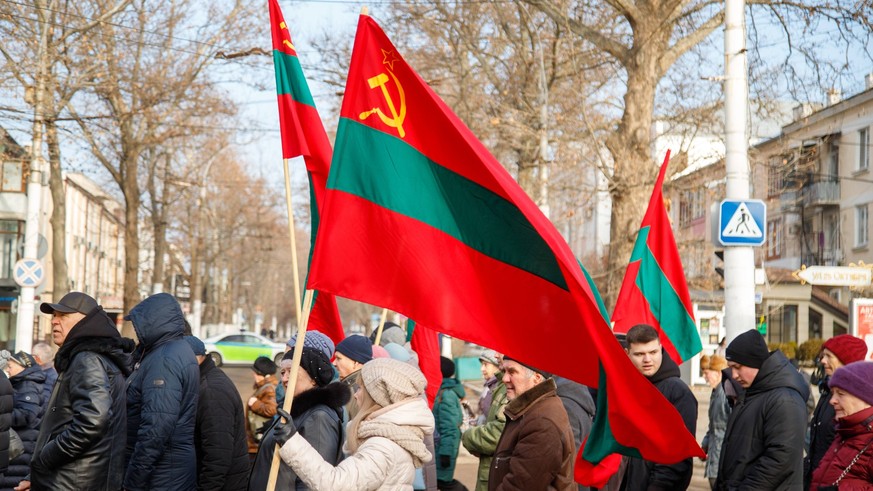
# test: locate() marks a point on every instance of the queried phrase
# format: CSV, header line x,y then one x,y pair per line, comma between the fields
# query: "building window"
x,y
775,177
839,329
12,178
861,226
774,238
782,327
10,237
815,325
863,149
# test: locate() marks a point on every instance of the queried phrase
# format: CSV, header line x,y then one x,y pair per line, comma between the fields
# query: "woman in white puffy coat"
x,y
385,441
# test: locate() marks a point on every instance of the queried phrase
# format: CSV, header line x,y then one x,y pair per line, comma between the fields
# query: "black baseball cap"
x,y
71,302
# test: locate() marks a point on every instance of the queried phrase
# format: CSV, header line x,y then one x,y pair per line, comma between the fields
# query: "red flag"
x,y
426,345
303,136
421,219
654,291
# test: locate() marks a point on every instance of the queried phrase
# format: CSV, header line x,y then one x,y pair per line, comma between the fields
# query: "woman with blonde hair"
x,y
385,439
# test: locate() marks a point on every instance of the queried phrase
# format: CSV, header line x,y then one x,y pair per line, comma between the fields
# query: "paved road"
x,y
467,465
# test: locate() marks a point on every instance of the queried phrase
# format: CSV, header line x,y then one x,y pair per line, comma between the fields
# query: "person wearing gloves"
x,y
385,440
317,412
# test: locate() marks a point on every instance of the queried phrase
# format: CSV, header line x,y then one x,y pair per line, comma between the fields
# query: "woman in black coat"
x,y
27,379
317,414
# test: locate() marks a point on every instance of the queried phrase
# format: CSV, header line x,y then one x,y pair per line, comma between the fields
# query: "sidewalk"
x,y
468,465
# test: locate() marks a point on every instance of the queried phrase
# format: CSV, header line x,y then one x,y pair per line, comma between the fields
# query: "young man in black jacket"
x,y
646,353
763,443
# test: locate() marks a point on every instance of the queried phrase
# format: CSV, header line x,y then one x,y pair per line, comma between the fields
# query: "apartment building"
x,y
815,178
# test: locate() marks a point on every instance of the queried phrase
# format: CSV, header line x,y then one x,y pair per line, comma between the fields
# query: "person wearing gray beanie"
x,y
314,339
316,413
385,440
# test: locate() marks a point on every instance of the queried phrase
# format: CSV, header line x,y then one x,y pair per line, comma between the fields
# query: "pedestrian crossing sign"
x,y
742,222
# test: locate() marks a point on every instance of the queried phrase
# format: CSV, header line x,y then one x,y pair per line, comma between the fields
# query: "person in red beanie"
x,y
836,352
848,462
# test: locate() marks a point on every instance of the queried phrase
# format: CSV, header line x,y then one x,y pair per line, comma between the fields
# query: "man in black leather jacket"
x,y
82,435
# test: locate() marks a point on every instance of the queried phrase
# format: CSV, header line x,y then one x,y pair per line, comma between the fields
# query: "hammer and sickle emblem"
x,y
286,42
396,120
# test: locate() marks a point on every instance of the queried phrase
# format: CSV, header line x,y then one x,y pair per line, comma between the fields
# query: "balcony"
x,y
822,193
788,200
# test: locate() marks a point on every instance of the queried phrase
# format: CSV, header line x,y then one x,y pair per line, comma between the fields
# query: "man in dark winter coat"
x,y
836,352
763,443
44,356
5,420
161,400
220,433
536,449
580,407
27,379
82,434
647,355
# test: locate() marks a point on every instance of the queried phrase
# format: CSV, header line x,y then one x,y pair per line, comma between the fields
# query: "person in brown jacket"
x,y
261,406
535,450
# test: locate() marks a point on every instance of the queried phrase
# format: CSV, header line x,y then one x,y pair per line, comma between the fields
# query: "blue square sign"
x,y
742,222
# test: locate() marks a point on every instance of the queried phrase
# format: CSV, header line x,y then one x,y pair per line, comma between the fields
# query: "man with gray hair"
x,y
536,448
46,359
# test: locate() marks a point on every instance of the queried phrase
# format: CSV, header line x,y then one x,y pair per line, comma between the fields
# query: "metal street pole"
x,y
24,325
739,261
198,253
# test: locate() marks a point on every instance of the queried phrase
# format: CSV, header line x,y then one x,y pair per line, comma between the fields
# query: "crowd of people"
x,y
104,413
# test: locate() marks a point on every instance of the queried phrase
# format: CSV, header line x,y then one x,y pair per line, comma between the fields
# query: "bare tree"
x,y
646,38
34,41
154,88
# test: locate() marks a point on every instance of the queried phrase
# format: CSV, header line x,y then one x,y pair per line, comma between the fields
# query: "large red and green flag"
x,y
654,290
420,218
304,138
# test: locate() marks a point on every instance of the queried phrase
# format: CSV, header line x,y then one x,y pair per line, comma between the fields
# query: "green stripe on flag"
x,y
290,79
394,175
601,442
597,298
676,322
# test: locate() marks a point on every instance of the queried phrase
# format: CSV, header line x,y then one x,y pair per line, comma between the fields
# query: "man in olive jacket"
x,y
82,435
481,440
763,443
536,449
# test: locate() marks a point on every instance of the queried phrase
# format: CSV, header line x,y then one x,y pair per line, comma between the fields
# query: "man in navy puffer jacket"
x,y
161,400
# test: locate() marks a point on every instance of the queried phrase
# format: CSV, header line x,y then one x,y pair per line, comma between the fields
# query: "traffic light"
x,y
719,265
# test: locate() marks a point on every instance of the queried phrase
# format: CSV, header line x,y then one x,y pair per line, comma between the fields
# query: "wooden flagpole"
x,y
381,327
293,237
292,382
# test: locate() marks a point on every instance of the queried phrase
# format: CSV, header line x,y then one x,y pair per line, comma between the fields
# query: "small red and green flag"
x,y
654,290
426,345
304,138
420,218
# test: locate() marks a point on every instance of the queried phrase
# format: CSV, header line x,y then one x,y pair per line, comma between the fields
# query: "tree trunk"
x,y
634,172
130,190
60,277
159,227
